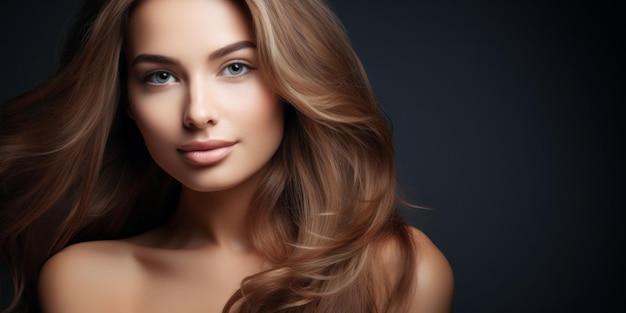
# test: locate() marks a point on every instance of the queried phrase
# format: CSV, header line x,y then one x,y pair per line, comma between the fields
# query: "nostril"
x,y
200,108
199,121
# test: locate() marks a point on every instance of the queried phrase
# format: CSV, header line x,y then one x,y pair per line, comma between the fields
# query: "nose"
x,y
200,110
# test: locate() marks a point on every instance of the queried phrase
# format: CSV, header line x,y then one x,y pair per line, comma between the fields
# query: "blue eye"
x,y
159,78
236,69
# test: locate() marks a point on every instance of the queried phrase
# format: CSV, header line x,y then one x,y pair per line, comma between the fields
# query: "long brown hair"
x,y
73,166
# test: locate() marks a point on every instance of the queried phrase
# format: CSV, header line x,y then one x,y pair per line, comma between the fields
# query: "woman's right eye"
x,y
159,78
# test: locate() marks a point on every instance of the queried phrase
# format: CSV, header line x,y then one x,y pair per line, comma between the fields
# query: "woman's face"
x,y
202,107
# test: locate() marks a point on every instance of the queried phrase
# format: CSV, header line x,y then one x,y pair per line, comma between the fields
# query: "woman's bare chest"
x,y
188,282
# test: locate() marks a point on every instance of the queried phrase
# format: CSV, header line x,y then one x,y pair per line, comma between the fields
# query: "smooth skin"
x,y
193,80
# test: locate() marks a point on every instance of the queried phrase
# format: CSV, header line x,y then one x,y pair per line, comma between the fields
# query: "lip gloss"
x,y
206,153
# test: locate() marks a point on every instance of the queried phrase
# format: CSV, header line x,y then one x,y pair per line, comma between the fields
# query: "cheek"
x,y
157,127
260,111
154,115
268,128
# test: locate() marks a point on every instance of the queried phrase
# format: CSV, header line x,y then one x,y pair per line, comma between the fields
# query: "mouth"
x,y
206,152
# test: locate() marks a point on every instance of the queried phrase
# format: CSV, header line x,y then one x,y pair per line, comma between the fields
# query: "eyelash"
x,y
149,77
245,66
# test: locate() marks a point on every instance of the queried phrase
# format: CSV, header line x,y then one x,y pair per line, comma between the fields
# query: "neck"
x,y
216,219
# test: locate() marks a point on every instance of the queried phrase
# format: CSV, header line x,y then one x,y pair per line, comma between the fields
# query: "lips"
x,y
206,152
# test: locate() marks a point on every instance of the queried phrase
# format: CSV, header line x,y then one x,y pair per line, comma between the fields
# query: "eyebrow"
x,y
231,48
153,58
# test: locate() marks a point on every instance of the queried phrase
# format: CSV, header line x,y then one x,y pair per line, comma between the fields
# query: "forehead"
x,y
163,25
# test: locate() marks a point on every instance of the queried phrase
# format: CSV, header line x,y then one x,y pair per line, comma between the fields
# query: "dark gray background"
x,y
507,118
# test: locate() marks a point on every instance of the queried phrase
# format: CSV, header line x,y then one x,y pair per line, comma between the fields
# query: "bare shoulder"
x,y
433,285
88,277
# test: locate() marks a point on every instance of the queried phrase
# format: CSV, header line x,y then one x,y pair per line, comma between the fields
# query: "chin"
x,y
226,181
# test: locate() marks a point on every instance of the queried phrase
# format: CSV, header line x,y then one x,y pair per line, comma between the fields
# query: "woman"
x,y
208,156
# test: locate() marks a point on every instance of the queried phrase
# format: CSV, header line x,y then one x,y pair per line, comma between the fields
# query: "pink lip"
x,y
206,152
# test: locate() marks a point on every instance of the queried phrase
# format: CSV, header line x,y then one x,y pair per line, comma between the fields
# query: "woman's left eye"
x,y
236,69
